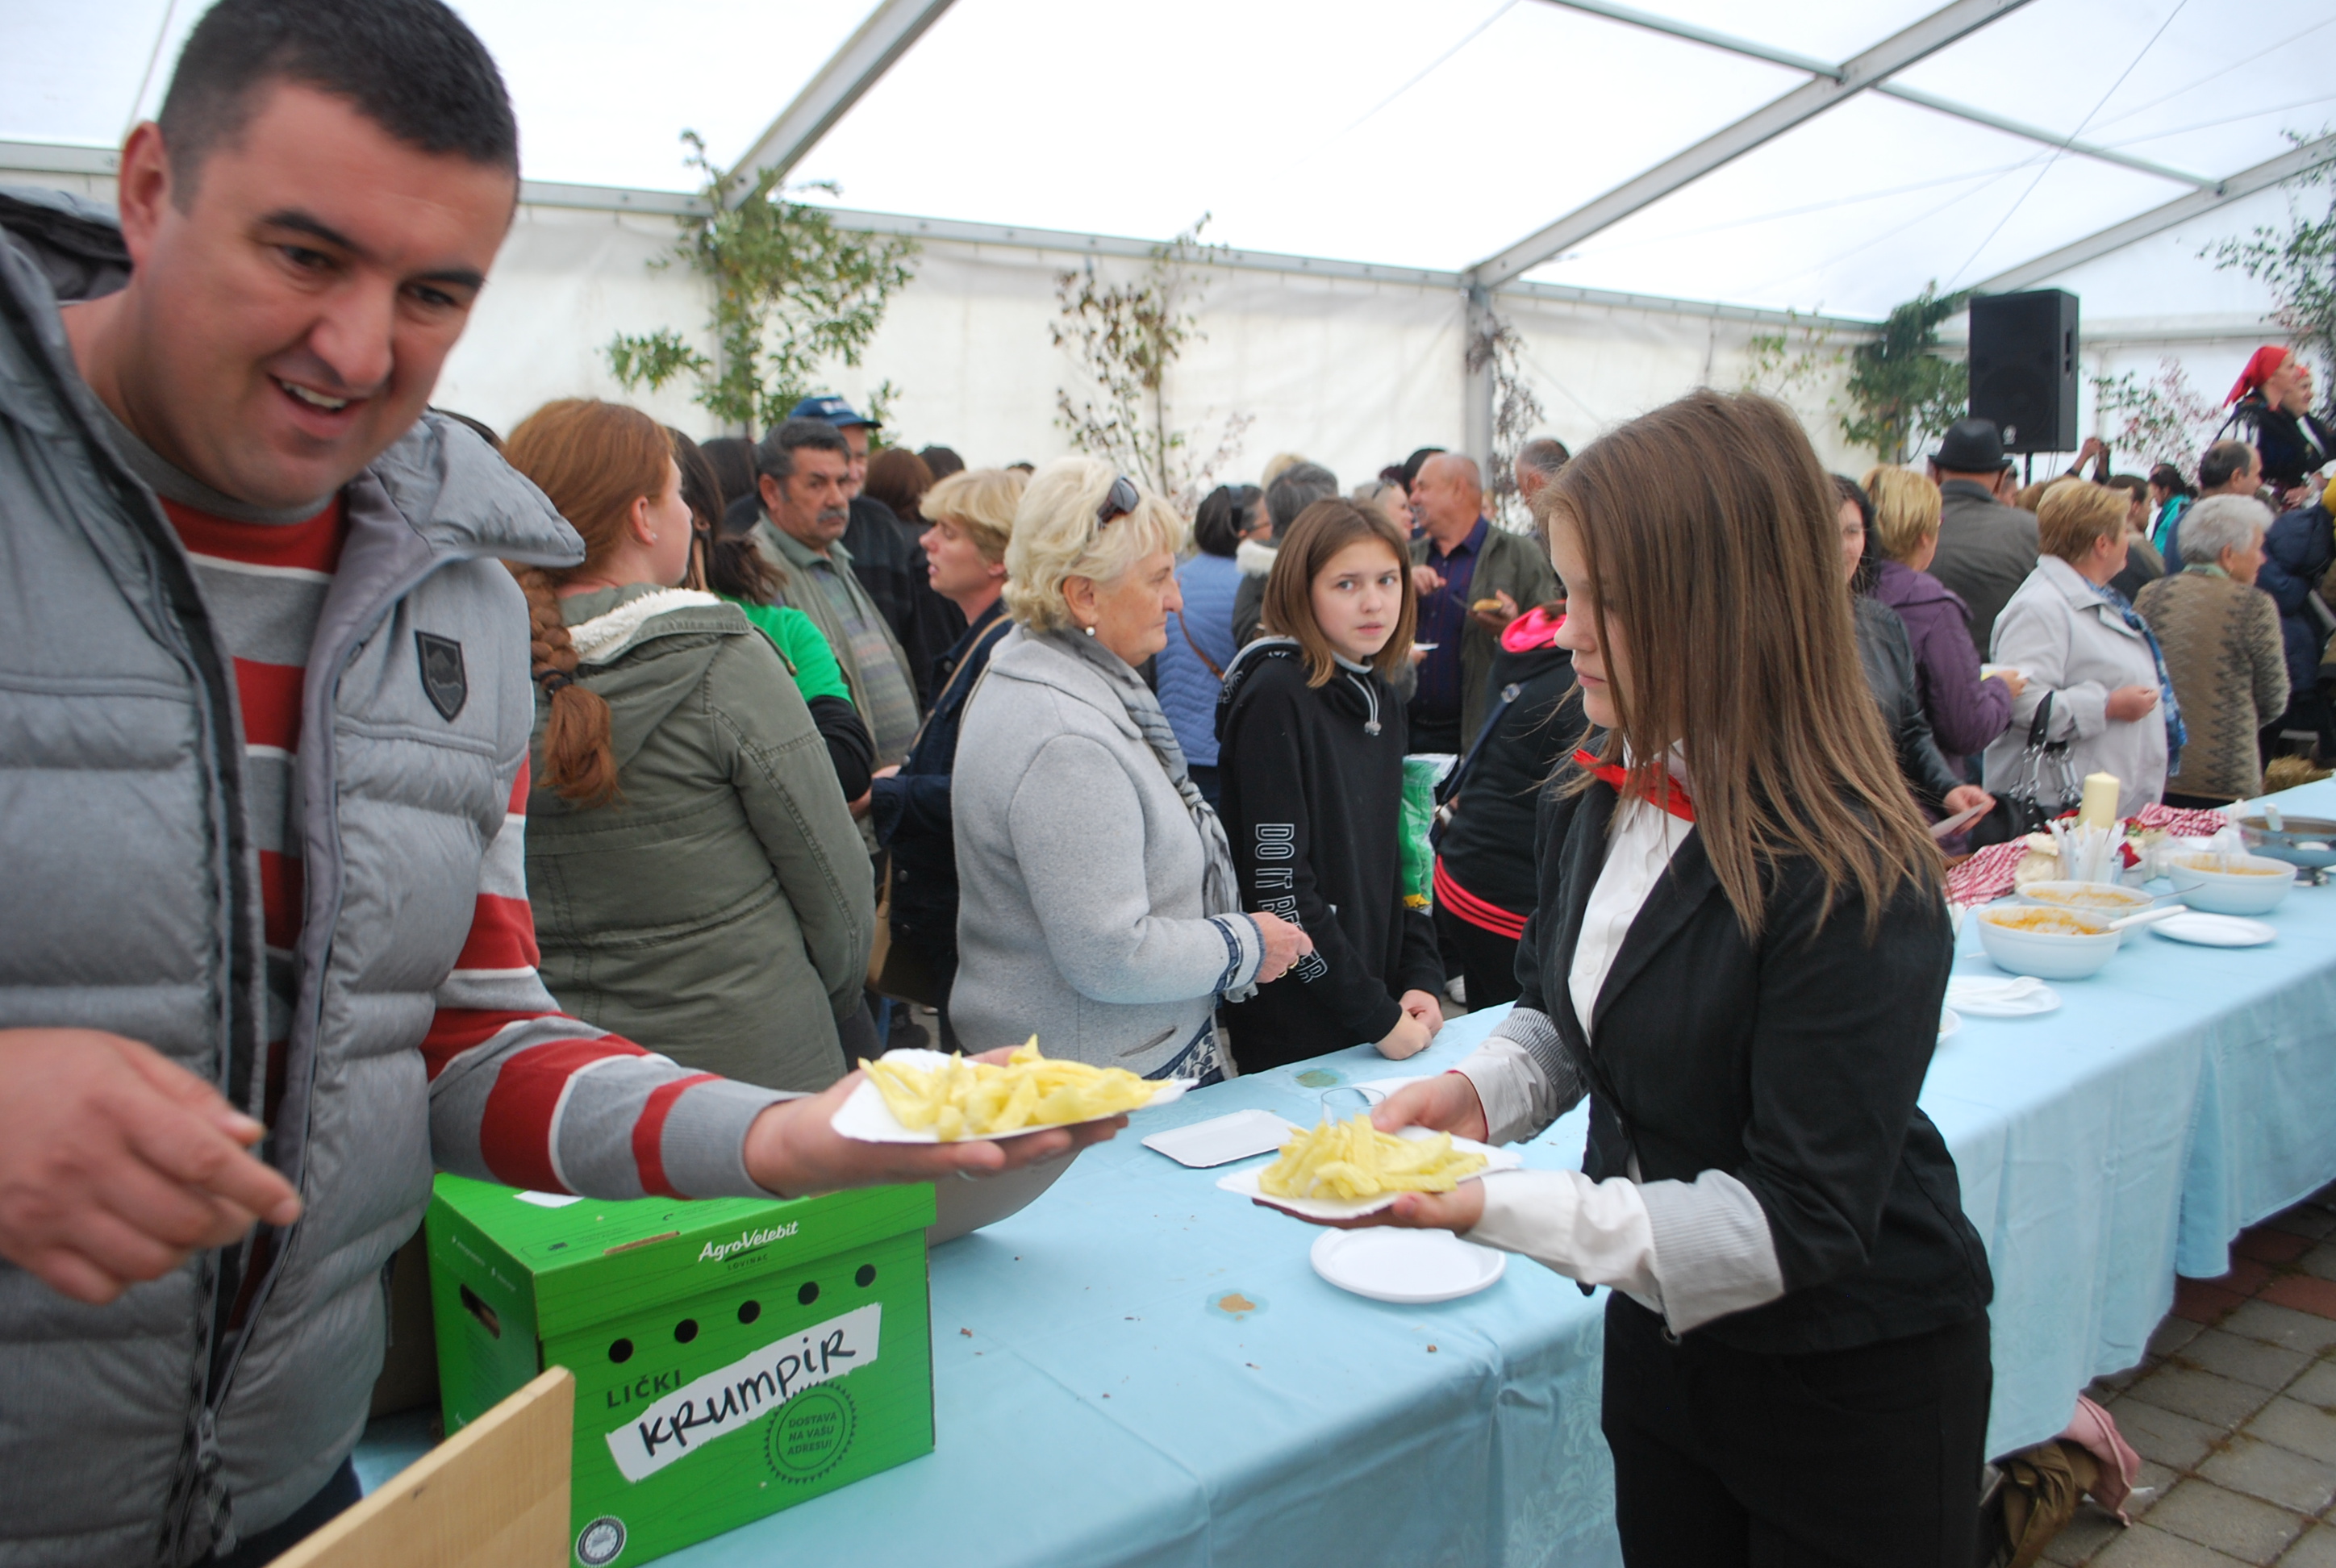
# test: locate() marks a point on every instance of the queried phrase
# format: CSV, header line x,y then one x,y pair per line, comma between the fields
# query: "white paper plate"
x,y
1221,1140
1982,998
864,1115
1387,1086
2215,930
1244,1183
1405,1267
1948,1022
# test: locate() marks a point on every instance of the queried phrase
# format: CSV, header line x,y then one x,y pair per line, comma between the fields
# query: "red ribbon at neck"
x,y
1672,797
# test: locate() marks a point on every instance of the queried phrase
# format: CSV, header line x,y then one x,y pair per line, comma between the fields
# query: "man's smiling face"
x,y
290,312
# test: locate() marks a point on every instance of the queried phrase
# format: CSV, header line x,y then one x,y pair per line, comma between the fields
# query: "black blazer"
x,y
1793,1066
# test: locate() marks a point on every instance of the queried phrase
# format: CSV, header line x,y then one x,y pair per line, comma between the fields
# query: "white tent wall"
x,y
565,283
1593,367
1354,374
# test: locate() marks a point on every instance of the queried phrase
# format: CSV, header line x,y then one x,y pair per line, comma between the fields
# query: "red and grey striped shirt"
x,y
554,1104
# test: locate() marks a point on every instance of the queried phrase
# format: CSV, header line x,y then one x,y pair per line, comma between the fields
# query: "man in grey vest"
x,y
266,956
1986,548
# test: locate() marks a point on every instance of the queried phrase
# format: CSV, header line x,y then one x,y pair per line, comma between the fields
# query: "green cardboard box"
x,y
731,1356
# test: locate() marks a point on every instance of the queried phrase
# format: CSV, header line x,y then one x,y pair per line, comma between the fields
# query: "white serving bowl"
x,y
2254,887
2047,954
2110,901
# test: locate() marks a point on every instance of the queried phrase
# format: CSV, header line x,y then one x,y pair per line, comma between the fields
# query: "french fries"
x,y
962,1099
1347,1161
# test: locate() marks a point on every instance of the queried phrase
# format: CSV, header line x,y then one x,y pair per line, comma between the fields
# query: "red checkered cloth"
x,y
1988,875
2182,825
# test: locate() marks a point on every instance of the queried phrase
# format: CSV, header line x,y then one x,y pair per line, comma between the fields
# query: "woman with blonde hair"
x,y
1738,956
2085,649
1097,905
699,884
1965,711
969,517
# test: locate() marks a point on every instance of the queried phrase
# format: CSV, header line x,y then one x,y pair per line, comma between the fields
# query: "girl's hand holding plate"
x,y
1446,1103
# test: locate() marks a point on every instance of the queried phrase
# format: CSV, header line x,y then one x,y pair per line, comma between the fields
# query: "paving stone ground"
x,y
2234,1413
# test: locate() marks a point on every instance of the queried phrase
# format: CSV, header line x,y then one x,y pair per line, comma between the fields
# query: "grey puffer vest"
x,y
145,1431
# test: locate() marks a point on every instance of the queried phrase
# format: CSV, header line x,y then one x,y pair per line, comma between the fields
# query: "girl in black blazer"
x,y
1739,953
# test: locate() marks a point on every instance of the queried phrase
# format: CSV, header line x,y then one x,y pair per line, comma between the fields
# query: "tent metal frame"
x,y
894,27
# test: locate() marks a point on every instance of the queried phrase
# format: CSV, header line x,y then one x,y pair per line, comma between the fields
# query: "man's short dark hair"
x,y
1544,456
2131,484
2224,461
1295,489
1411,465
410,66
776,455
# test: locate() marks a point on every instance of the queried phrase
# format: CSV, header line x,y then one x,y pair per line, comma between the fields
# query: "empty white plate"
x,y
2215,930
1988,996
1221,1140
1406,1267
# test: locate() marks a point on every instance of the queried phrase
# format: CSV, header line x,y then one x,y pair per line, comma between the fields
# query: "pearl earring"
x,y
1090,631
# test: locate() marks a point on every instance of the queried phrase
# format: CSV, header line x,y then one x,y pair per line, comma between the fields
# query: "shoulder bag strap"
x,y
1195,646
988,640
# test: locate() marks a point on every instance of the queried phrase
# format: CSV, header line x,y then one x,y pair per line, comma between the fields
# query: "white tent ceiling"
x,y
1427,135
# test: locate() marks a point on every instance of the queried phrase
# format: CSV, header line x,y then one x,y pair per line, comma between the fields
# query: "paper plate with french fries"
x,y
928,1097
1345,1170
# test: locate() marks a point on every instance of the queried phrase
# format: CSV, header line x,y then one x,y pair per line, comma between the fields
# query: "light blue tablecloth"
x,y
1104,1409
2179,1096
1100,1409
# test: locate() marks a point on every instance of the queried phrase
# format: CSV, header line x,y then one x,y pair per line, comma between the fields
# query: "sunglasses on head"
x,y
1120,500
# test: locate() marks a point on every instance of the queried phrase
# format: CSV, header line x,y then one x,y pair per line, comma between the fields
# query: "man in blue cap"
x,y
885,555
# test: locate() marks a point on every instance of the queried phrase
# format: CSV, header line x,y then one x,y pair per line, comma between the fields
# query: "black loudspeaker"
x,y
2023,367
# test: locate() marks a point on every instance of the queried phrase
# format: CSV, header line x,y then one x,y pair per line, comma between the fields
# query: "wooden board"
x,y
492,1495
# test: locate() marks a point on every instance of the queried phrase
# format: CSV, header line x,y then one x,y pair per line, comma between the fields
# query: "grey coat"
x,y
1986,551
1079,869
144,1432
2071,642
720,909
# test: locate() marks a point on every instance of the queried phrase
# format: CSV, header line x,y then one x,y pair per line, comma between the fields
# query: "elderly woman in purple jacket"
x,y
1965,712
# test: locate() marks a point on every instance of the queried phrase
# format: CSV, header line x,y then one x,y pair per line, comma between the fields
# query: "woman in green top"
x,y
736,571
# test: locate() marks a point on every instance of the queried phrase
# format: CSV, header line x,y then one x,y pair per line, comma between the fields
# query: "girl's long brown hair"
x,y
1709,531
1316,534
593,459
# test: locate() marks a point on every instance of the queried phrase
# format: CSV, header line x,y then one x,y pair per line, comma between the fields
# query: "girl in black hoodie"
x,y
1310,764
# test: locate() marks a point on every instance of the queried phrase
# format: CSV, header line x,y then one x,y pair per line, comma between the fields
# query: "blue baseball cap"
x,y
832,409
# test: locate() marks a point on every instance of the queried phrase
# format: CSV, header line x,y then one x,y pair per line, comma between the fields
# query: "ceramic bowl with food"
x,y
2299,840
2110,901
2050,943
2230,884
2113,900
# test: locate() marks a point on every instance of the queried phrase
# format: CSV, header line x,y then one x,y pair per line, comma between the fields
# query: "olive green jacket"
x,y
719,911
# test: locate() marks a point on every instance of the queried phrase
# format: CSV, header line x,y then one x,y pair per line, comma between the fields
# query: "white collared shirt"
x,y
1639,851
1691,1251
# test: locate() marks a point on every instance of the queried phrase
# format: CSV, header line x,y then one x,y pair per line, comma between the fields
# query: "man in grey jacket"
x,y
266,693
1986,548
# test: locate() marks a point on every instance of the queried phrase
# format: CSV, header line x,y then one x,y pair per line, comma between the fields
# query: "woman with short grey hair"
x,y
1097,906
2222,641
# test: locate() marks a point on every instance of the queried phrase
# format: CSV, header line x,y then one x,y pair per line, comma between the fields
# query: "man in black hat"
x,y
1986,548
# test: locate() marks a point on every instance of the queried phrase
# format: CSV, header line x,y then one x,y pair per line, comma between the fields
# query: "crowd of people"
x,y
572,808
